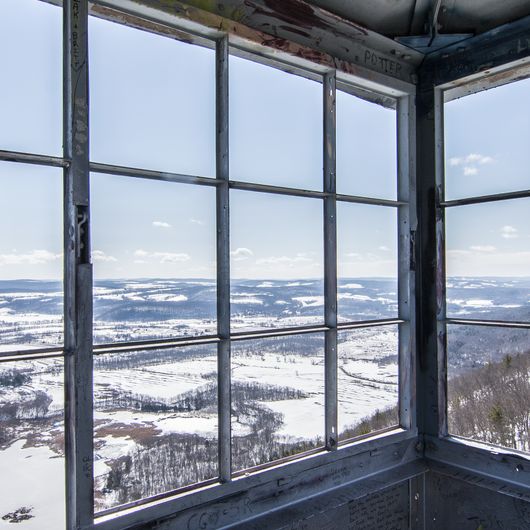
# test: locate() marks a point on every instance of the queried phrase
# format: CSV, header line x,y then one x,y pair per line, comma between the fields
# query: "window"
x,y
220,297
487,215
31,273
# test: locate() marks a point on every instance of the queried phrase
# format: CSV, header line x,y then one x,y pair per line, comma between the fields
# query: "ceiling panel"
x,y
408,17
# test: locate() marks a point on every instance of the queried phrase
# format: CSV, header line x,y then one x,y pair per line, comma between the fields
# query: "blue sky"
x,y
152,106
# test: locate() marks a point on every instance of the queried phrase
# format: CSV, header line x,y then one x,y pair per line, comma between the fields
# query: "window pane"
x,y
489,384
275,126
154,259
32,489
277,261
155,422
366,148
31,260
488,260
152,100
277,398
367,262
367,380
486,142
31,102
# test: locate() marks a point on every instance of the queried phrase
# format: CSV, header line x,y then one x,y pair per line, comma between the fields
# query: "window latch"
x,y
82,235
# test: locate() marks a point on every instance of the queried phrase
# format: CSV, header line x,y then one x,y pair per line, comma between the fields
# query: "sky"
x,y
152,104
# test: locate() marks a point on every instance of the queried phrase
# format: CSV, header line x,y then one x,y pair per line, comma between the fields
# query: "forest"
x,y
489,402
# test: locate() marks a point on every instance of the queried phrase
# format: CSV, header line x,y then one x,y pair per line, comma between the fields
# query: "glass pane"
x,y
488,260
488,372
367,262
366,148
275,126
277,263
277,398
154,259
152,100
31,259
486,142
31,90
367,380
155,422
32,488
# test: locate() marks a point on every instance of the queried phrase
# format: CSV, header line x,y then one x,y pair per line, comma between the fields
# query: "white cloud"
x,y
367,256
483,248
284,260
509,232
472,158
241,253
384,249
99,255
162,257
470,162
161,224
470,170
196,222
34,257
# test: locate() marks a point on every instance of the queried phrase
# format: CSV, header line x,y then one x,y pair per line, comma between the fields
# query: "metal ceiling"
x,y
397,18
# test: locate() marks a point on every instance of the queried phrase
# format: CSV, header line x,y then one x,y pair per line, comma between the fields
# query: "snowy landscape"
x,y
155,426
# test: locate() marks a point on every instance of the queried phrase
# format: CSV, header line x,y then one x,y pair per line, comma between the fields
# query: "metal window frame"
x,y
449,453
392,446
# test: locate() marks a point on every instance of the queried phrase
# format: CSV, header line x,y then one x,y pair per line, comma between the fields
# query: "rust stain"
x,y
302,15
297,13
143,24
275,42
311,55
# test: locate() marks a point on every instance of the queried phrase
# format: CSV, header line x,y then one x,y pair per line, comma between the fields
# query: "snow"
x,y
167,297
303,418
205,425
100,467
142,285
164,381
367,377
351,286
358,297
32,477
114,447
245,300
473,302
310,301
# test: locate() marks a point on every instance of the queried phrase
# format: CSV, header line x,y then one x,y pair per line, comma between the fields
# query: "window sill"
x,y
250,494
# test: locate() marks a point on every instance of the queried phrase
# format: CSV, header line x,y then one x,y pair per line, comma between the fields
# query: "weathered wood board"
x,y
386,509
451,503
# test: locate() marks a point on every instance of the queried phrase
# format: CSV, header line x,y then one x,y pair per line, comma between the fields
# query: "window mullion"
x,y
77,271
330,260
406,266
223,260
441,301
431,389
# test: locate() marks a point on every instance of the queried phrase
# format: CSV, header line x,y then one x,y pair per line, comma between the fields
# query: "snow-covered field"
x,y
165,401
32,478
